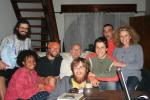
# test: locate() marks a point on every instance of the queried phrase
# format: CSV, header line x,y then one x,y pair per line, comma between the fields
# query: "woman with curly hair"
x,y
25,82
129,52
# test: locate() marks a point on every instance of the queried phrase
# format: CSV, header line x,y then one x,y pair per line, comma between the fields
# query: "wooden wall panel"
x,y
82,8
142,26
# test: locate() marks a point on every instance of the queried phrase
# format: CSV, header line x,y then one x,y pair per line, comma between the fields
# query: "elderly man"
x,y
80,70
75,52
9,49
49,65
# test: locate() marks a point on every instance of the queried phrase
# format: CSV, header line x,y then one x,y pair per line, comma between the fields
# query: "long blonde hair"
x,y
134,36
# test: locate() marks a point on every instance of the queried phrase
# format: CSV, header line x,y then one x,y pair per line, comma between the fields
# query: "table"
x,y
112,95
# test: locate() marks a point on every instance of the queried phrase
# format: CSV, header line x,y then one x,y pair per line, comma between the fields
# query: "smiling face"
x,y
125,38
101,50
75,51
53,50
79,72
29,62
22,31
108,32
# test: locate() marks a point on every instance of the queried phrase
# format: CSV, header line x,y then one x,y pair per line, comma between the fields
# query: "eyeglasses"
x,y
24,28
78,68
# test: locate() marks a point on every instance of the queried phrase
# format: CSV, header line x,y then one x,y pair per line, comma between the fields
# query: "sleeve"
x,y
60,88
30,46
3,43
23,90
111,64
63,69
38,67
139,59
114,54
7,53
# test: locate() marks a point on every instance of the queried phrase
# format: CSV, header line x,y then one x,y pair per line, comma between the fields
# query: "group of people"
x,y
40,78
123,48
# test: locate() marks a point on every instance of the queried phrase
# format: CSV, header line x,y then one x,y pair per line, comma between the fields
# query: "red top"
x,y
23,84
111,48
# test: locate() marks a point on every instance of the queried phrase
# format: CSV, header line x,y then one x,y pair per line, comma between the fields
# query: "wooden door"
x,y
142,25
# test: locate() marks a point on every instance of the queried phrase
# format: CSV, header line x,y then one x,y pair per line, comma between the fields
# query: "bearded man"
x,y
49,65
80,70
20,40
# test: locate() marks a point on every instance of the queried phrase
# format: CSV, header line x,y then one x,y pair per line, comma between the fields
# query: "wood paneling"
x,y
142,25
99,8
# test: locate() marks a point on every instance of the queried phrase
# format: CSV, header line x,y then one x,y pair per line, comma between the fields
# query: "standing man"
x,y
20,40
75,52
108,34
49,65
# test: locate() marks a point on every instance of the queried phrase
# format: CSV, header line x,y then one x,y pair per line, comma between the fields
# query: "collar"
x,y
77,85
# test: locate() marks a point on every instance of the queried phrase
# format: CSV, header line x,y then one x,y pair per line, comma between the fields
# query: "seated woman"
x,y
129,52
25,83
103,68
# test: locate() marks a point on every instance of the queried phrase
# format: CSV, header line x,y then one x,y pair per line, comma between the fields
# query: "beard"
x,y
49,54
52,54
20,36
80,79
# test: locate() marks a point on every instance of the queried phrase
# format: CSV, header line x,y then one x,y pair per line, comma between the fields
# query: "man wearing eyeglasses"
x,y
76,82
9,49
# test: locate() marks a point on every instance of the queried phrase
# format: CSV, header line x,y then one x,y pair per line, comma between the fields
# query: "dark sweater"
x,y
46,67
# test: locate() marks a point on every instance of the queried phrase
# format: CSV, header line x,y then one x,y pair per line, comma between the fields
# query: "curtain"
x,y
84,28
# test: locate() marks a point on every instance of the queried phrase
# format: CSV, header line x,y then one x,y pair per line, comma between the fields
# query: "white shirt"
x,y
10,47
65,69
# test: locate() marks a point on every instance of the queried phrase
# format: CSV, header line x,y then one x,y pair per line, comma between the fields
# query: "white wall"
x,y
147,7
60,17
7,18
140,3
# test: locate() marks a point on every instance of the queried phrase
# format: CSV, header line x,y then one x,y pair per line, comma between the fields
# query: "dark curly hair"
x,y
25,54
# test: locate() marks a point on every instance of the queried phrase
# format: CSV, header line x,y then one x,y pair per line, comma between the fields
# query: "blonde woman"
x,y
129,52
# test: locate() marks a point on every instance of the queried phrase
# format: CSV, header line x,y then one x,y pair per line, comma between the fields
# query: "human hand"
x,y
51,81
41,86
123,65
119,64
91,74
94,81
3,65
